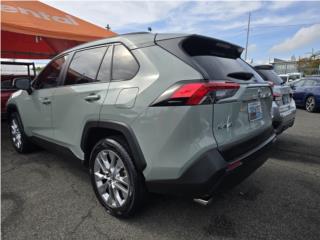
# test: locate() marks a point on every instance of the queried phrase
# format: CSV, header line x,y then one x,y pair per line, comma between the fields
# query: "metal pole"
x,y
248,29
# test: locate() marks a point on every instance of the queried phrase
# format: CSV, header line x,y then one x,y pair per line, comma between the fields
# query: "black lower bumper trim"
x,y
235,149
281,126
209,174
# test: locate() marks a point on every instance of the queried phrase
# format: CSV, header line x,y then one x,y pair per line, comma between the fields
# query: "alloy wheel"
x,y
310,103
111,178
16,133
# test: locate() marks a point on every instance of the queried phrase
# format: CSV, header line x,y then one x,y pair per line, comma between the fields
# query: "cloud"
x,y
252,47
276,5
181,16
261,61
118,14
224,10
305,36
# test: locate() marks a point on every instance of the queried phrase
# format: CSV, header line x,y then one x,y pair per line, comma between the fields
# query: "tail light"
x,y
271,84
277,98
196,93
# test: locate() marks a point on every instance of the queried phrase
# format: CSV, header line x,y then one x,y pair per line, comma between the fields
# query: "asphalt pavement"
x,y
46,196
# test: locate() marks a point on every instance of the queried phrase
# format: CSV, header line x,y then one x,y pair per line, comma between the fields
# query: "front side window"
x,y
49,77
7,85
124,65
84,66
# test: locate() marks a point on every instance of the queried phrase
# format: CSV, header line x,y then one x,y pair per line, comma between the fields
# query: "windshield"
x,y
270,75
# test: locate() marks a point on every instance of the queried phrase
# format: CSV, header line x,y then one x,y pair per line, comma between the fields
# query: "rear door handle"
x,y
92,98
45,100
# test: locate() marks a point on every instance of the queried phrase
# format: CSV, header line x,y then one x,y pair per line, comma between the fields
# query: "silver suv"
x,y
164,113
283,105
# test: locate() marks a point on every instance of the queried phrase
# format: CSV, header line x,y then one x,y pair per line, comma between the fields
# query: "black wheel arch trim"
x,y
11,107
123,128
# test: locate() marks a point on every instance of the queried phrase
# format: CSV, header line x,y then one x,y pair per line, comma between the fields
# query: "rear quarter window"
x,y
124,66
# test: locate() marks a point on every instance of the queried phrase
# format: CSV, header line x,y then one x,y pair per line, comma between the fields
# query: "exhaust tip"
x,y
203,201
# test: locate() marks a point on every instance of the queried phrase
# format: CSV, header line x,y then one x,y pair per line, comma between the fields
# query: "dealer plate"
x,y
254,110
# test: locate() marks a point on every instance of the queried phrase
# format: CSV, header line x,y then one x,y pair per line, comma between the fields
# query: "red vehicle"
x,y
10,71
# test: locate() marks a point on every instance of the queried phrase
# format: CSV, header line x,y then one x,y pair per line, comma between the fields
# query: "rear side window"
x,y
49,77
84,66
124,65
105,68
270,75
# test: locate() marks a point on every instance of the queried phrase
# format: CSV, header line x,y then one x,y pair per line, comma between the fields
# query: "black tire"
x,y
310,104
136,189
25,146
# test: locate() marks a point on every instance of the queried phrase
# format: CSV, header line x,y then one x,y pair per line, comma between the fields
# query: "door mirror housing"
x,y
23,83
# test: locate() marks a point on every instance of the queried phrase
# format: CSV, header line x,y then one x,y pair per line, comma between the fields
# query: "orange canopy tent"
x,y
34,30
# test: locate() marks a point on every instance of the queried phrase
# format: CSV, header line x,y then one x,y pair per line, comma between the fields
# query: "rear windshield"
x,y
213,58
270,75
284,78
218,68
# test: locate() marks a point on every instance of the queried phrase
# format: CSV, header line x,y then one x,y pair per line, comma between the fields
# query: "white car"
x,y
289,77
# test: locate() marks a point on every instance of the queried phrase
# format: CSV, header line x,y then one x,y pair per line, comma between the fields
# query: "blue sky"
x,y
278,28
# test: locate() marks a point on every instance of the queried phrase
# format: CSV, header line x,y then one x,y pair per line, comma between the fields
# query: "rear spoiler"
x,y
263,67
197,45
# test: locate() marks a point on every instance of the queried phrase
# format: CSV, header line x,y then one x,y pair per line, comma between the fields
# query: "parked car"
x,y
15,70
293,82
283,105
306,93
165,113
290,77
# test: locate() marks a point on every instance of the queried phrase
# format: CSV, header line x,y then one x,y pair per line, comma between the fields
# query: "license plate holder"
x,y
254,111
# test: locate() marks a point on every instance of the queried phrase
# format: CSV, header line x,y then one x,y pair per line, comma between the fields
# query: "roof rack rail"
x,y
133,33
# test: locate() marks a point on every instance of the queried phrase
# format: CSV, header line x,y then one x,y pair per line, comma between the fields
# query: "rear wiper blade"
x,y
241,75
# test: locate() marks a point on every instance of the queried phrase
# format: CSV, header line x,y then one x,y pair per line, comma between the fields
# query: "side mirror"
x,y
23,84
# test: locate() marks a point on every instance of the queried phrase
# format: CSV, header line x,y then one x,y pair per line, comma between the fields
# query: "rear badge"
x,y
226,125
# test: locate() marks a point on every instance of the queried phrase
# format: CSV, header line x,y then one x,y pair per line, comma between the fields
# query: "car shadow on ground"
x,y
287,148
257,208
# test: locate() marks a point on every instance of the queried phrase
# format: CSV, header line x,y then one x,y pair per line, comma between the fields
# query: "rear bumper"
x,y
283,118
211,173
